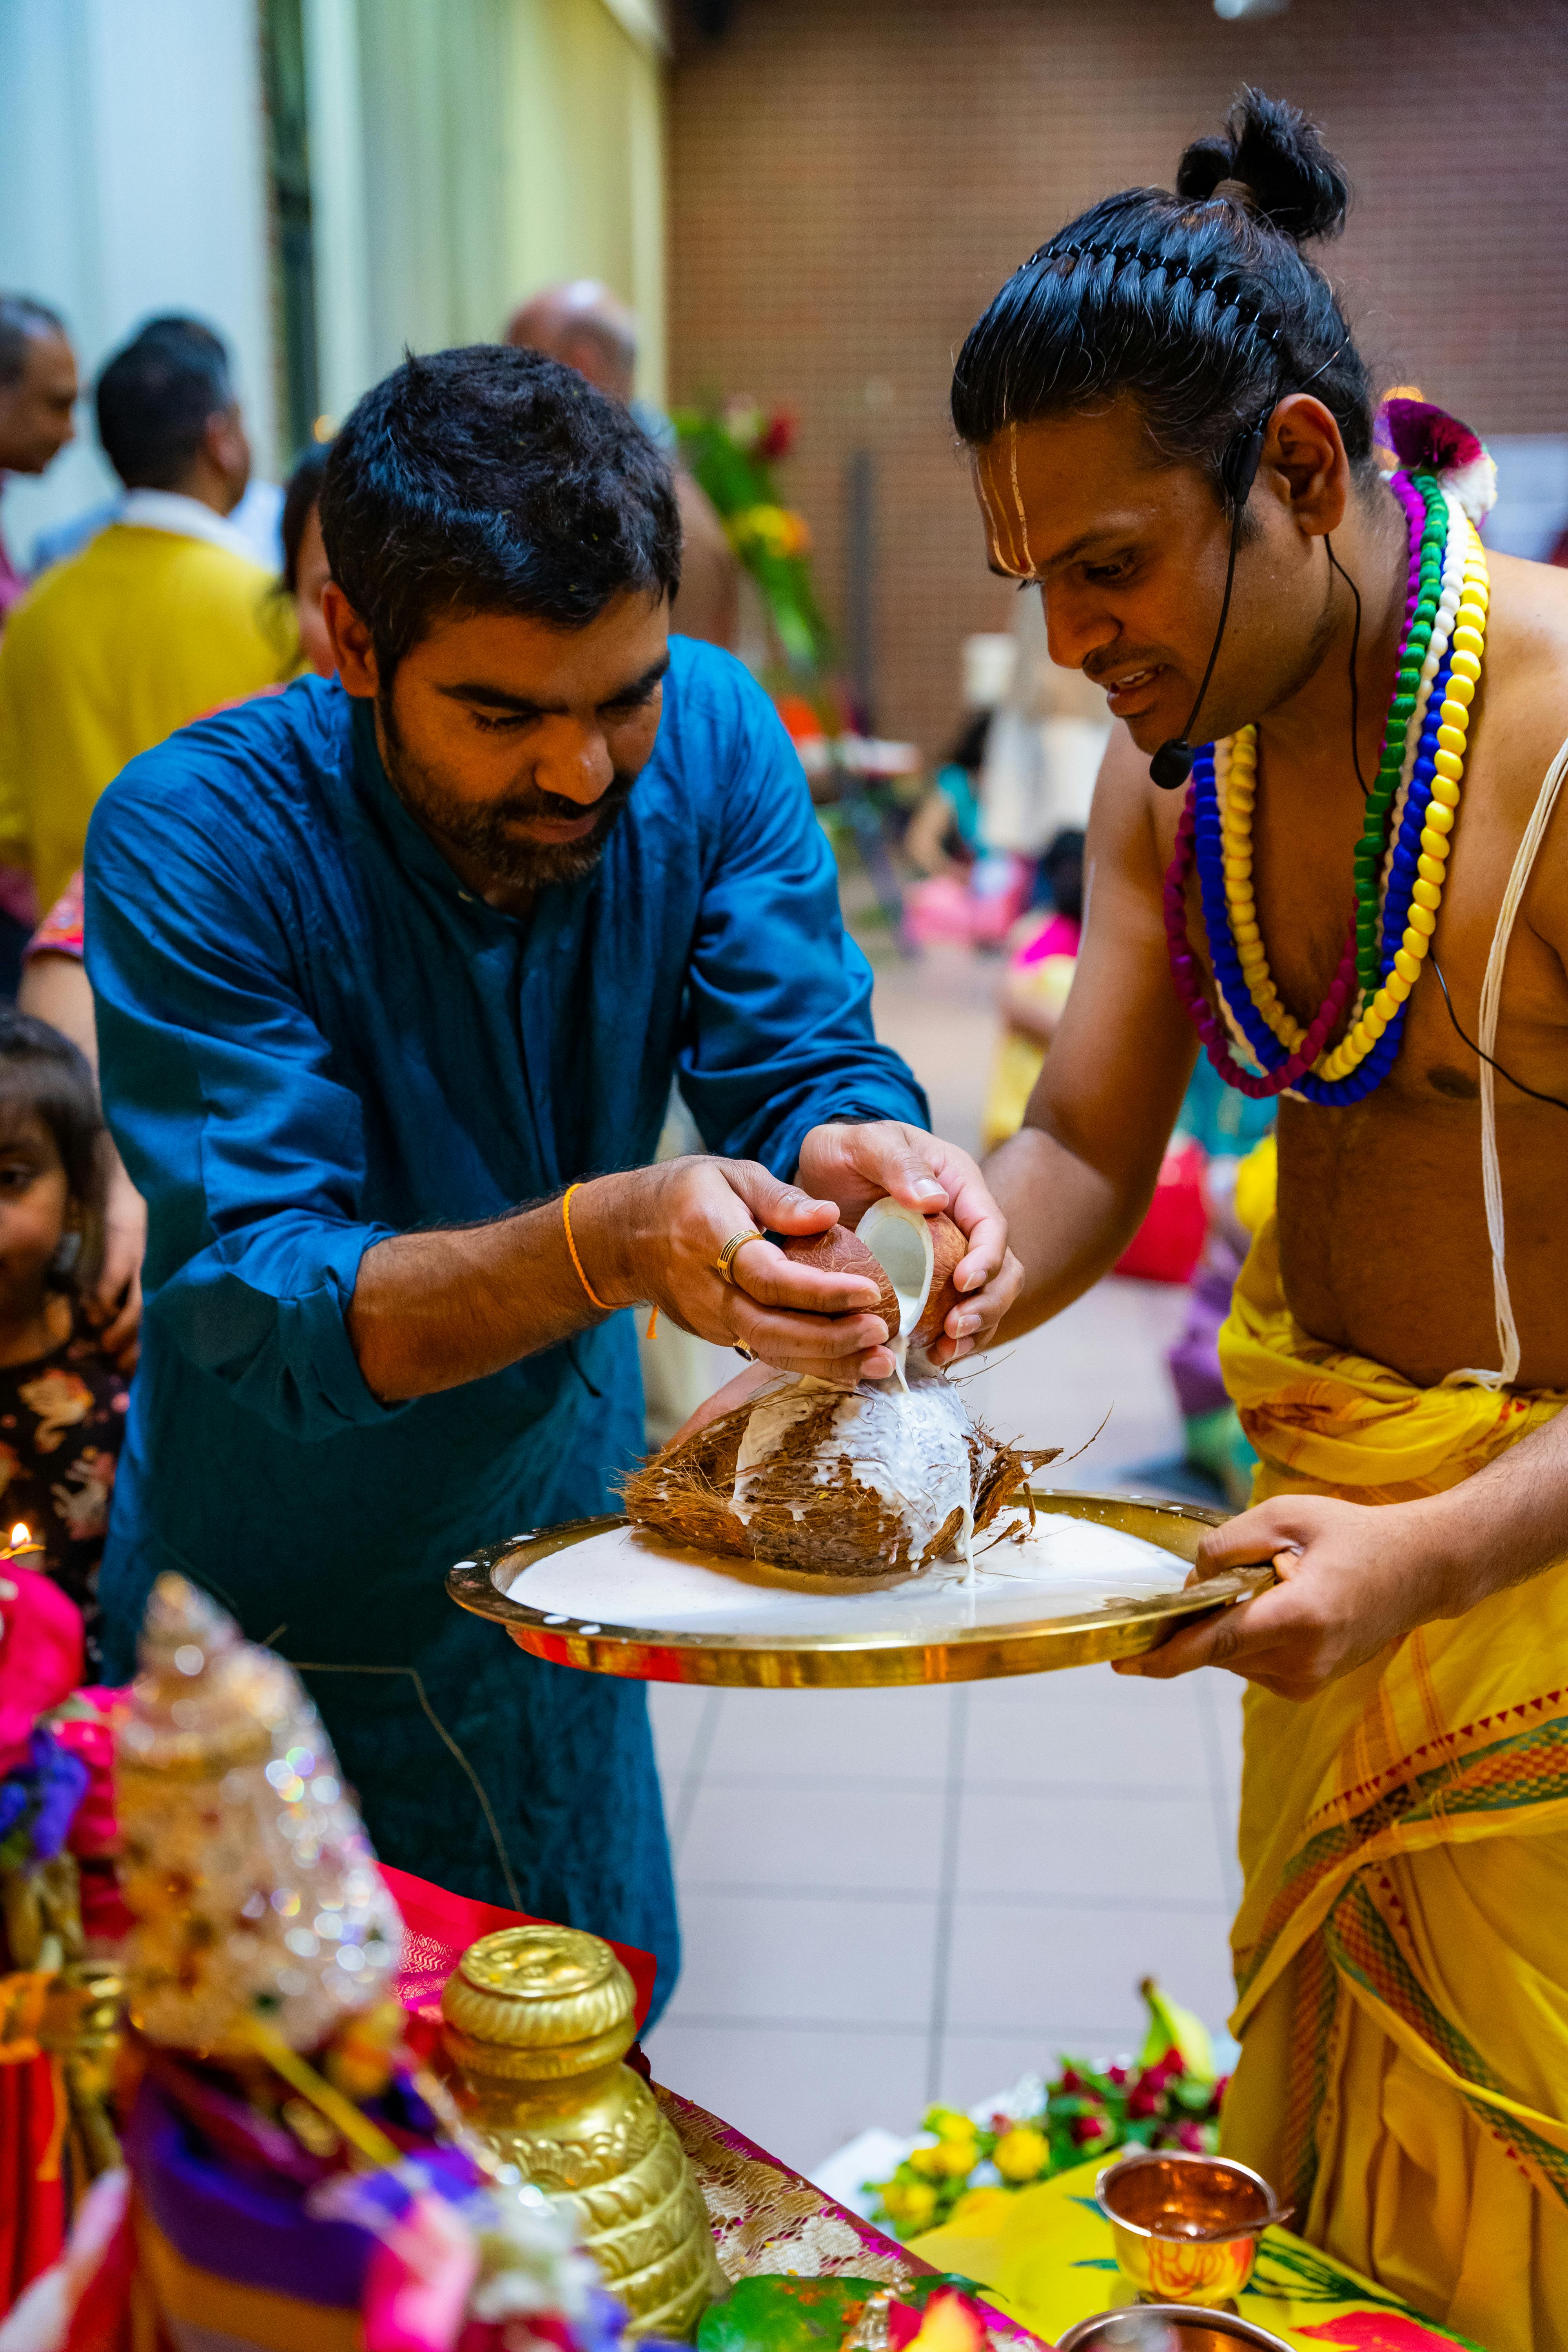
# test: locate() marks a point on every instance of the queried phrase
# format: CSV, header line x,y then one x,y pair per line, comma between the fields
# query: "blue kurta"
x,y
313,1036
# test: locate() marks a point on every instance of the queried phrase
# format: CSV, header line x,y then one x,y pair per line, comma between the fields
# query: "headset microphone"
x,y
1172,762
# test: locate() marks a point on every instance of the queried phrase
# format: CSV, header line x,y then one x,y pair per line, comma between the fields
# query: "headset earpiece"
x,y
1238,467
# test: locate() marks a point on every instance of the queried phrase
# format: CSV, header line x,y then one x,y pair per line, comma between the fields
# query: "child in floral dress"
x,y
62,1403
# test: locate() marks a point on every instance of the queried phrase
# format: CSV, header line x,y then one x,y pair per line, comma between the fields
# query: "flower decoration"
x,y
38,1799
774,530
732,447
1424,438
1169,2099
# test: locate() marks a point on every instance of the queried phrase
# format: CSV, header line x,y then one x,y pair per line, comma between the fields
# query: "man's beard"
x,y
486,832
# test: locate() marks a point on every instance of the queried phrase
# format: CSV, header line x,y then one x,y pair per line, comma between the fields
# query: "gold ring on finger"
x,y
741,1350
725,1261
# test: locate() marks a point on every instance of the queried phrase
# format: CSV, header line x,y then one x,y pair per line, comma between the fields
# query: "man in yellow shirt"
x,y
161,617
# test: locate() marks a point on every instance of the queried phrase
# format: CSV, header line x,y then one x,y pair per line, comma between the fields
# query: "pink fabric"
x,y
417,2283
12,584
60,932
1060,936
40,1655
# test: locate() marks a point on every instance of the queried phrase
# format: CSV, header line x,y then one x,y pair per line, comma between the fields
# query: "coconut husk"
x,y
807,1503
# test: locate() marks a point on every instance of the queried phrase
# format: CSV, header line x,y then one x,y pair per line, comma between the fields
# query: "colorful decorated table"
x,y
1044,2256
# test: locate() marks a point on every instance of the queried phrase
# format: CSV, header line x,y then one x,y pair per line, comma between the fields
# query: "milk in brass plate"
x,y
934,1628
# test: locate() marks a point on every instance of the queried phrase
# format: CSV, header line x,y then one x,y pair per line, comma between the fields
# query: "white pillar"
x,y
338,238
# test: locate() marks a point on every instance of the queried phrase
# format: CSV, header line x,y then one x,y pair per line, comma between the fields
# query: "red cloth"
x,y
32,2208
1169,1242
441,1927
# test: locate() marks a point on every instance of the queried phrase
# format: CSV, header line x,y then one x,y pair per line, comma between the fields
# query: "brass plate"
x,y
816,1662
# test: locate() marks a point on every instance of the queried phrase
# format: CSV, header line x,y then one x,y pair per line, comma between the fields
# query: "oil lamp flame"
x,y
20,1534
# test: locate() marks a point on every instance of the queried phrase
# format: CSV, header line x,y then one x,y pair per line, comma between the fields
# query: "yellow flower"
x,y
1021,2154
958,2156
983,2207
929,2161
910,2203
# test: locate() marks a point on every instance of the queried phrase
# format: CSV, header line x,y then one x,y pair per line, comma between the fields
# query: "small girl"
x,y
62,1404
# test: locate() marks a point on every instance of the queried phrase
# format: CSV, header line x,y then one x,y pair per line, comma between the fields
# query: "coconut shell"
x,y
839,1251
949,1248
810,1528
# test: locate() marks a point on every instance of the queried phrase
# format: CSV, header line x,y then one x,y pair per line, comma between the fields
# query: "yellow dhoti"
x,y
1402,1948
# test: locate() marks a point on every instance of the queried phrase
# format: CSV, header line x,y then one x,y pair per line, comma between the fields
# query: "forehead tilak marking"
x,y
1000,544
1019,499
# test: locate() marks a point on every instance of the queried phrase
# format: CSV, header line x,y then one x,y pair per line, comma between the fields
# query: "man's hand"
x,y
1354,1576
856,1165
656,1234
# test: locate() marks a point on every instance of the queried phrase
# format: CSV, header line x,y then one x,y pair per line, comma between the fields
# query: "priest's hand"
x,y
855,1165
1354,1576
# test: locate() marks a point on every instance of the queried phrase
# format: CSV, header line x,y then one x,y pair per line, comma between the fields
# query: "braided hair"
x,y
1200,304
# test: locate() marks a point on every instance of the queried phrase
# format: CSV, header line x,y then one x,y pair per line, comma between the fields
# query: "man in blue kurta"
x,y
383,964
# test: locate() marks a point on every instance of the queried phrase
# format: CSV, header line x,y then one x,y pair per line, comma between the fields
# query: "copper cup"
x,y
1185,2329
1185,2227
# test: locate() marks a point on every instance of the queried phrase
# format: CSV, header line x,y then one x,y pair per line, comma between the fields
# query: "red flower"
x,y
1220,2088
1117,2074
1189,2137
1072,2080
1143,2100
1087,2130
777,437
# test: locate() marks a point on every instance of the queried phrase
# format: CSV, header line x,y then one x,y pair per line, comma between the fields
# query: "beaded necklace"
x,y
1400,860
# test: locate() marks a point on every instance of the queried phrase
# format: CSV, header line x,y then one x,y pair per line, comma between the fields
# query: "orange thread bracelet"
x,y
566,1220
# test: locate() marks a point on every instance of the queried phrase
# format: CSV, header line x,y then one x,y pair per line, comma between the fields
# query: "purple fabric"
x,y
247,2227
1194,1359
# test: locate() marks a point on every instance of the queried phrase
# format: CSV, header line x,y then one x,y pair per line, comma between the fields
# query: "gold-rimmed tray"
x,y
930,1629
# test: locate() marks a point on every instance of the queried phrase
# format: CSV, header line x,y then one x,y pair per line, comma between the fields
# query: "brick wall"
x,y
851,180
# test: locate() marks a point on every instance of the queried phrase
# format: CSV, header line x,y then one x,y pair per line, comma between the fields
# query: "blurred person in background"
x,y
943,835
257,518
37,420
54,984
1034,988
585,326
163,616
37,405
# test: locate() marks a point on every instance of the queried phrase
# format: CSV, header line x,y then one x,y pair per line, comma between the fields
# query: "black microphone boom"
x,y
1172,762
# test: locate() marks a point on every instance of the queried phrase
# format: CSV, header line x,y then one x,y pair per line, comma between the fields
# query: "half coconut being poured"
x,y
847,1486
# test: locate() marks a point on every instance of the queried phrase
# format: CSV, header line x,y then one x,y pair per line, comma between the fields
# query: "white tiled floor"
x,y
891,1896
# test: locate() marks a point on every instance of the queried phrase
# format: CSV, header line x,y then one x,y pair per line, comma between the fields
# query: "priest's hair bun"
x,y
1275,163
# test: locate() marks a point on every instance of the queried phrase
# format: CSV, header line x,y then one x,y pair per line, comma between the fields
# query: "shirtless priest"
x,y
1168,390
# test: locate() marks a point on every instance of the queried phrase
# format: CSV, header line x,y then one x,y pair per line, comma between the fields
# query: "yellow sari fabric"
x,y
1400,1953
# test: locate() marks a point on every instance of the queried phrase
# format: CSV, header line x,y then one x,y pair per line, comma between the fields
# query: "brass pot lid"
x,y
555,1993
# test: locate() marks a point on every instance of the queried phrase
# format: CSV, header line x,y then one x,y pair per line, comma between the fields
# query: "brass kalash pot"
x,y
538,2020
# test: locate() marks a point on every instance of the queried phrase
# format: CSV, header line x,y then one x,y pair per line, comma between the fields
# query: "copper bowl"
x,y
1185,2227
1186,2330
